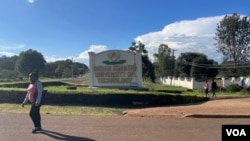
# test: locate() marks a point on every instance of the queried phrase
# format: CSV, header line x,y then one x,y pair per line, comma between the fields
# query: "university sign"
x,y
115,68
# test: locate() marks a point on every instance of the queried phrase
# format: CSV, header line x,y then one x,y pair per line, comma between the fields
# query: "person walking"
x,y
206,86
34,94
214,88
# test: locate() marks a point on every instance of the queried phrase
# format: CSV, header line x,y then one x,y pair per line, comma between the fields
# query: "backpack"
x,y
44,96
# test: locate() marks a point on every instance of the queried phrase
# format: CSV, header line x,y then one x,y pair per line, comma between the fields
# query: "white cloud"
x,y
92,48
54,58
11,46
9,49
5,53
31,1
83,57
185,36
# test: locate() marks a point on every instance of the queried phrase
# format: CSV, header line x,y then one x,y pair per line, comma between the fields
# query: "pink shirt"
x,y
206,85
31,92
33,89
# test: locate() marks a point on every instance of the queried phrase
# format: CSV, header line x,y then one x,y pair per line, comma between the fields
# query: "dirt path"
x,y
237,107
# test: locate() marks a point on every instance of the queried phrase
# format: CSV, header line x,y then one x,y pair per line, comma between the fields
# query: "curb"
x,y
217,116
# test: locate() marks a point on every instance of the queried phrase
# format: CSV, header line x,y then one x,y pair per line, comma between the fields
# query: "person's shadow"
x,y
63,137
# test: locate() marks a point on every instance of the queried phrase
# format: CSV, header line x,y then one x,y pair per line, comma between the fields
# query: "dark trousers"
x,y
213,90
35,115
206,92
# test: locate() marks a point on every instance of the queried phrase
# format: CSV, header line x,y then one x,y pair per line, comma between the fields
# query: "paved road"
x,y
17,127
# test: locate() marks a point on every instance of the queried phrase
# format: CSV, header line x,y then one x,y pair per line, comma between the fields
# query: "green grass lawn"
x,y
63,110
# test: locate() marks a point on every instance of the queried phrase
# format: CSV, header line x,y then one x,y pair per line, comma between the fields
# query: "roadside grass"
x,y
223,94
62,110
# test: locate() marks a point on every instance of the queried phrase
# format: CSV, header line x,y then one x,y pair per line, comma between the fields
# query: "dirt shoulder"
x,y
215,107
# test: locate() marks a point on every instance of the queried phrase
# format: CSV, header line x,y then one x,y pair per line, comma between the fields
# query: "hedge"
x,y
105,99
26,84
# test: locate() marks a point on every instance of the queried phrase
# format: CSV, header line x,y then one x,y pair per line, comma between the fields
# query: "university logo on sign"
x,y
114,59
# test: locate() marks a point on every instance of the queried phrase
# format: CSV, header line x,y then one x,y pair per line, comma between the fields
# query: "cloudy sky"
x,y
66,29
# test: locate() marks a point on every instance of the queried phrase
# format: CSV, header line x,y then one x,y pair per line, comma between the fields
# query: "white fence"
x,y
193,84
189,83
242,81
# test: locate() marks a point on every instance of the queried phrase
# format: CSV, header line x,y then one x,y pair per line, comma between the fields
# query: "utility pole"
x,y
172,66
72,68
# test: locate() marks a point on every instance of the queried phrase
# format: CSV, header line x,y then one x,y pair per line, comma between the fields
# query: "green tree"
x,y
7,66
7,63
49,70
147,65
61,66
196,65
64,68
233,39
204,69
229,69
184,63
148,69
29,61
138,46
163,61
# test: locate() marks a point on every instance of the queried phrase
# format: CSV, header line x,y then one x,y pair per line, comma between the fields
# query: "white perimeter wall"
x,y
190,83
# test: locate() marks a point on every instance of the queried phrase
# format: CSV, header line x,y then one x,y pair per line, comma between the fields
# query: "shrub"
x,y
71,88
233,88
107,100
26,84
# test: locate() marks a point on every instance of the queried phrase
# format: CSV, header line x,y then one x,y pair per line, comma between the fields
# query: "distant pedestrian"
x,y
206,87
214,88
34,94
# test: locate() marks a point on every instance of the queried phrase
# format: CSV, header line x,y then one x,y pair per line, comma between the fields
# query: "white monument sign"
x,y
115,68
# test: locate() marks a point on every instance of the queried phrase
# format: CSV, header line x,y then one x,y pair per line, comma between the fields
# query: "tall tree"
x,y
147,65
184,63
163,61
29,61
204,69
229,69
7,63
138,46
7,66
148,69
196,65
233,38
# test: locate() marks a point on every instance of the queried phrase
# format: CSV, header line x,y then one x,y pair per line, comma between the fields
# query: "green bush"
x,y
170,91
233,88
65,94
71,88
26,84
113,99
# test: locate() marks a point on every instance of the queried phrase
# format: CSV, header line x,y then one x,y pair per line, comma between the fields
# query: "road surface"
x,y
17,127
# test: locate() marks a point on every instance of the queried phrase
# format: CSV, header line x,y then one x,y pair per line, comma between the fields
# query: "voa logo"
x,y
236,132
231,132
